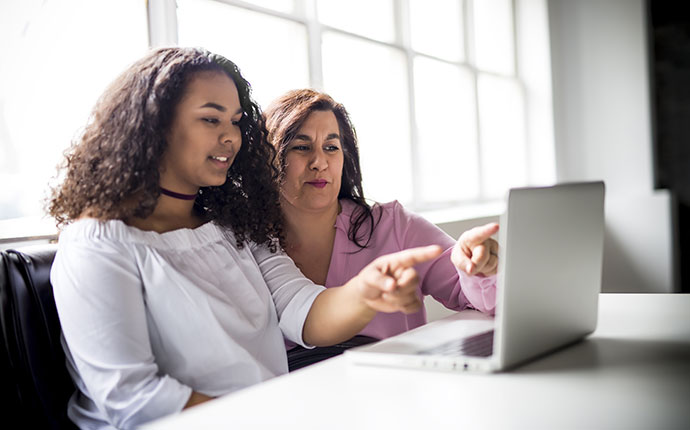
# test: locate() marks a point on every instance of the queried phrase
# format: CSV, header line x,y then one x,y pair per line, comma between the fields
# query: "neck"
x,y
303,226
169,214
175,195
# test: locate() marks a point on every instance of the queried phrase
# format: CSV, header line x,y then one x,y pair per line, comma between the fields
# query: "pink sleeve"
x,y
439,278
480,291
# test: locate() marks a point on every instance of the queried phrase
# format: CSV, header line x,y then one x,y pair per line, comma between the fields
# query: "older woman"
x,y
332,232
167,279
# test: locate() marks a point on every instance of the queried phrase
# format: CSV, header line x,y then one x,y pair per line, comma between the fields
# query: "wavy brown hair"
x,y
285,115
112,170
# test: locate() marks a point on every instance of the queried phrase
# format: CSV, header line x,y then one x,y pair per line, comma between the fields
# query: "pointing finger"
x,y
409,257
480,234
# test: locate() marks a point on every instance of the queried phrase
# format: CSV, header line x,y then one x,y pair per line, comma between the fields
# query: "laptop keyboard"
x,y
479,345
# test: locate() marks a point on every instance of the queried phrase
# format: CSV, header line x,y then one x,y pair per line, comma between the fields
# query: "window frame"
x,y
162,31
305,13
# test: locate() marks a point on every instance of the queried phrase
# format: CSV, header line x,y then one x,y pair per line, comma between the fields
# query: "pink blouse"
x,y
400,229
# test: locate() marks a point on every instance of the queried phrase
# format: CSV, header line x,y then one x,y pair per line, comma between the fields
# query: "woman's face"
x,y
314,164
205,135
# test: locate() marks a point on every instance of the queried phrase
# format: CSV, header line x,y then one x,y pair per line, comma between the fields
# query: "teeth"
x,y
221,159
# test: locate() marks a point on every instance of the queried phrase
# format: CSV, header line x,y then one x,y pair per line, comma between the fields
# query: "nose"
x,y
231,135
318,161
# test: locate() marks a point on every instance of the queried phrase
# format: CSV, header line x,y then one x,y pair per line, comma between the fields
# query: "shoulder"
x,y
86,230
391,208
92,241
394,212
413,229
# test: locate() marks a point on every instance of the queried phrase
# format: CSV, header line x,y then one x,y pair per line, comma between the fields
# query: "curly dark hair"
x,y
285,115
112,169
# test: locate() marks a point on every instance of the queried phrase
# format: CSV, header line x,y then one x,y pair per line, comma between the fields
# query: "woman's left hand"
x,y
476,253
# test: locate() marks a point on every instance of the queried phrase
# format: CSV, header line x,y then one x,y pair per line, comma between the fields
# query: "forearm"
x,y
336,315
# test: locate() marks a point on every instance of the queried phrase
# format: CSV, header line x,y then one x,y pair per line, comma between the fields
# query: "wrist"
x,y
357,289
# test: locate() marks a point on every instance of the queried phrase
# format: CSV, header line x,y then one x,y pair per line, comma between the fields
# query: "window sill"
x,y
467,212
27,229
33,229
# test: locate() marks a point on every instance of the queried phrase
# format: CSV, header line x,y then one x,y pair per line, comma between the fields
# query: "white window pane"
x,y
502,135
371,18
436,28
535,73
63,55
270,52
446,129
493,35
287,6
377,99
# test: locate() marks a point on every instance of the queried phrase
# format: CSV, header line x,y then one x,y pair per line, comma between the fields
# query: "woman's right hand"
x,y
389,283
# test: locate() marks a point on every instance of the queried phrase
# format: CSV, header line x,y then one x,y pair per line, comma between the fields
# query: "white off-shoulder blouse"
x,y
149,317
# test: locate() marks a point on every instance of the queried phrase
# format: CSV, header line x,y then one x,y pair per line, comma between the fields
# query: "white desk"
x,y
632,373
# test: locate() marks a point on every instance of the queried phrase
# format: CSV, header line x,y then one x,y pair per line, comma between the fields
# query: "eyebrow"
x,y
218,107
308,139
215,106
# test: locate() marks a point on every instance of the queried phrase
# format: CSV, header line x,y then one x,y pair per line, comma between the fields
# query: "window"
x,y
437,90
58,57
450,98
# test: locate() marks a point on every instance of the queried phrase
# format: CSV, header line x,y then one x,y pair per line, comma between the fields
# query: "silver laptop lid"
x,y
549,275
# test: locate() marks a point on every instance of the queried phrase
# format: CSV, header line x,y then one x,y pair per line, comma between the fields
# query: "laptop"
x,y
549,279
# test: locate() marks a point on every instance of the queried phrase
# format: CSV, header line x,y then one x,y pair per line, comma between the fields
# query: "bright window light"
x,y
272,64
370,18
502,135
494,48
446,131
481,119
58,57
286,6
377,99
436,28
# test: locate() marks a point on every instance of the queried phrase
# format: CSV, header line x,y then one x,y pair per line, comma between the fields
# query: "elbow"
x,y
132,404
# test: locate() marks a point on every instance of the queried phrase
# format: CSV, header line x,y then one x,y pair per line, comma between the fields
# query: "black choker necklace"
x,y
175,195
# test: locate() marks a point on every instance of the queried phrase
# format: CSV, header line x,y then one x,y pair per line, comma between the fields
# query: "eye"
x,y
332,148
241,120
300,148
213,121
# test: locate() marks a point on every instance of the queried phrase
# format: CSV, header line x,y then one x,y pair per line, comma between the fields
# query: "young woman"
x,y
332,232
169,283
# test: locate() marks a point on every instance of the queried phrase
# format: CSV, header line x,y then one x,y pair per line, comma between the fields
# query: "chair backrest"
x,y
35,383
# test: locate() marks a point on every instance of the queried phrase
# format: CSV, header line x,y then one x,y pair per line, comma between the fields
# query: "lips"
x,y
318,183
221,161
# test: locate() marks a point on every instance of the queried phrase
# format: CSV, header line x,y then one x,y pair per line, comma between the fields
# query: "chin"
x,y
321,205
216,183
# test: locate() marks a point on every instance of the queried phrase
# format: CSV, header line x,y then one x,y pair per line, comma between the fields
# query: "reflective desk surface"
x,y
633,372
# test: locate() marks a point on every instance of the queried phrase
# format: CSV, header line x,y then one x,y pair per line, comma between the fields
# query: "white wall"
x,y
603,131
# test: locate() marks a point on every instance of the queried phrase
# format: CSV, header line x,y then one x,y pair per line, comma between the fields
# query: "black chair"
x,y
35,384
